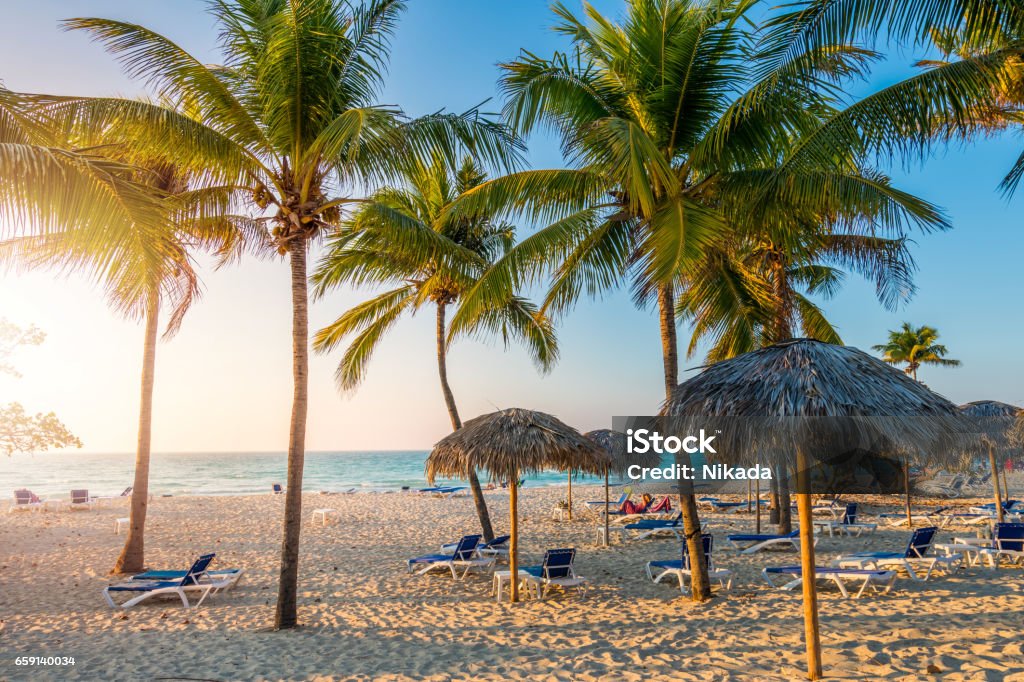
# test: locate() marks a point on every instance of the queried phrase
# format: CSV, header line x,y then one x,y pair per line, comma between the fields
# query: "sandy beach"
x,y
364,617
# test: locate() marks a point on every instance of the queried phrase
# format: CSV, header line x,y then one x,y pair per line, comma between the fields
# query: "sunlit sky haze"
x,y
224,382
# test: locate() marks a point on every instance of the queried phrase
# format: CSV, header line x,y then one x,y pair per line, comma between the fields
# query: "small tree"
x,y
20,431
914,347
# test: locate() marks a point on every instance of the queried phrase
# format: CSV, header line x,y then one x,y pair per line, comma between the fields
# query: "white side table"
x,y
502,578
325,515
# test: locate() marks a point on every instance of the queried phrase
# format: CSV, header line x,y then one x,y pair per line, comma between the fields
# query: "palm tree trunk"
x,y
453,414
995,483
906,491
669,345
773,498
785,503
700,583
132,557
286,615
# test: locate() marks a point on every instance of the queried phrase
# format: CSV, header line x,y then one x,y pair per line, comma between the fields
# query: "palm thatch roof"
x,y
614,443
993,421
509,443
1016,433
855,400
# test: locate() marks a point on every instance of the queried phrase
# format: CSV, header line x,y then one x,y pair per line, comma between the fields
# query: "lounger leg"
x,y
206,593
106,595
184,598
842,588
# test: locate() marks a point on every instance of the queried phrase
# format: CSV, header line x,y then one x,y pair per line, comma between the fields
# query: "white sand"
x,y
364,617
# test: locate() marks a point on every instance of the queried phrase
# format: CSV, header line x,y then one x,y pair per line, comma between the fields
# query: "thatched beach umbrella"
x,y
993,421
507,444
805,378
614,444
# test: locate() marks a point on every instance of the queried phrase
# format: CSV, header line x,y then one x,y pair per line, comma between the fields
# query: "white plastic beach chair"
x,y
877,580
125,495
1007,543
25,500
847,525
681,570
917,556
752,543
934,517
80,499
557,570
464,556
195,579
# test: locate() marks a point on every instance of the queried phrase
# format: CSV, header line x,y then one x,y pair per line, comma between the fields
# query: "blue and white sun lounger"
x,y
680,568
229,575
847,525
935,516
444,490
195,579
1009,507
1008,541
647,528
557,570
464,556
598,505
26,500
879,581
750,544
917,554
498,547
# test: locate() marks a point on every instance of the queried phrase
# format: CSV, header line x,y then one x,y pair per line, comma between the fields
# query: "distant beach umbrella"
x,y
993,422
507,444
614,444
807,378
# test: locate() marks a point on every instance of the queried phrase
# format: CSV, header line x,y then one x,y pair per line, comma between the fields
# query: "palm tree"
x,y
143,266
677,137
915,346
291,117
754,287
975,93
752,293
366,252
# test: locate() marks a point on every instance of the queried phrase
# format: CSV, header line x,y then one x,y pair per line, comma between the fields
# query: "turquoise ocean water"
x,y
224,473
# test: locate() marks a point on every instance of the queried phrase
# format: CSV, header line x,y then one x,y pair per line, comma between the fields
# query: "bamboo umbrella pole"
x,y
811,631
995,482
757,511
607,506
570,494
748,495
513,552
906,491
1006,486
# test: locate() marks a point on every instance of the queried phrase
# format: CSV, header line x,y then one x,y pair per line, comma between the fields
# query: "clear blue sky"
x,y
224,382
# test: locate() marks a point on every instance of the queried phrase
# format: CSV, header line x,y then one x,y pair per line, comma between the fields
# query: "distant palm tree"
x,y
913,347
368,251
291,115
